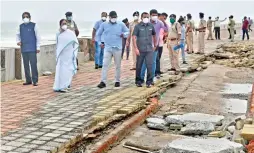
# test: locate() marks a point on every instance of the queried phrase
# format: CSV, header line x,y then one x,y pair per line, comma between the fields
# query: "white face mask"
x,y
145,20
154,18
64,27
26,20
135,17
104,18
113,20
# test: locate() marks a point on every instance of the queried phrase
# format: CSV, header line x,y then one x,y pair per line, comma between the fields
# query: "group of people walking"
x,y
145,37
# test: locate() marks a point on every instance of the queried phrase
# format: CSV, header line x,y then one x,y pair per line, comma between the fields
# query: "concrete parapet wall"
x,y
12,64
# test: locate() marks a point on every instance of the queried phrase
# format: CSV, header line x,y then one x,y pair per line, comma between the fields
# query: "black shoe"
x,y
139,85
158,76
100,67
117,84
35,84
101,85
184,62
27,83
96,66
149,86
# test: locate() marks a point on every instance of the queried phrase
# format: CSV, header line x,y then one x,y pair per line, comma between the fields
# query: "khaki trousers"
x,y
201,42
190,41
232,32
210,34
173,55
134,56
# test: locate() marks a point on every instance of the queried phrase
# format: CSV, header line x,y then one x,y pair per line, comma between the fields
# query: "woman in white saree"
x,y
66,52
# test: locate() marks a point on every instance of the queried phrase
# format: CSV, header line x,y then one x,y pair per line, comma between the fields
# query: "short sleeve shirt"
x,y
202,23
144,33
97,26
190,24
175,30
209,23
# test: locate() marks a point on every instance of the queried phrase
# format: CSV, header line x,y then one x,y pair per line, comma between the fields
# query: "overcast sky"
x,y
53,11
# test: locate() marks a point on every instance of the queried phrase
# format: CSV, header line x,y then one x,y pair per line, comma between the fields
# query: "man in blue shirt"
x,y
28,39
98,58
112,33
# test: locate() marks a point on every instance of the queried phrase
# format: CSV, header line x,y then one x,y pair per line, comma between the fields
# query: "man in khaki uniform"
x,y
129,40
73,27
173,40
231,25
209,27
201,35
189,34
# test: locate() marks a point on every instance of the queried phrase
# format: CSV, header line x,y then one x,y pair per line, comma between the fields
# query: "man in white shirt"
x,y
217,27
28,39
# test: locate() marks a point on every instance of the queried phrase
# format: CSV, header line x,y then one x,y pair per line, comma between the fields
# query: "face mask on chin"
x,y
26,20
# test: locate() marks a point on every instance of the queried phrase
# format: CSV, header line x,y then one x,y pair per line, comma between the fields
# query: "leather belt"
x,y
173,39
201,31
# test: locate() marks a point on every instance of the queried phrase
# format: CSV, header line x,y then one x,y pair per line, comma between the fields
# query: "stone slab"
x,y
194,145
194,118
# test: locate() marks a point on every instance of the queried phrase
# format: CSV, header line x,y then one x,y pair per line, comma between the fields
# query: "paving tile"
x,y
15,144
30,146
39,151
38,142
8,148
48,119
22,150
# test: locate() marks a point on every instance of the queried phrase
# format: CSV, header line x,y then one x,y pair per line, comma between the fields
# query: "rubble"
x,y
194,118
237,54
195,145
201,128
156,123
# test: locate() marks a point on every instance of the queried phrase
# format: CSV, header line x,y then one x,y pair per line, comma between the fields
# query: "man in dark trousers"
x,y
28,39
127,47
145,43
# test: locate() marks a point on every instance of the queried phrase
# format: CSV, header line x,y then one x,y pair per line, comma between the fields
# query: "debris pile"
x,y
204,128
238,54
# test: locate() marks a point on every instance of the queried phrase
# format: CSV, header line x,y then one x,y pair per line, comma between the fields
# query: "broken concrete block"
x,y
199,69
194,118
242,117
248,132
217,134
156,121
175,126
174,119
156,126
197,128
47,73
237,137
239,124
195,145
248,121
231,129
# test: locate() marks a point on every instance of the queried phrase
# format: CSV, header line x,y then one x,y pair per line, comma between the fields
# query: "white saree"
x,y
66,52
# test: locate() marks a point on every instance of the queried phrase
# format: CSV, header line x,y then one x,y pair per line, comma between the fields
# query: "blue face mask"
x,y
69,18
